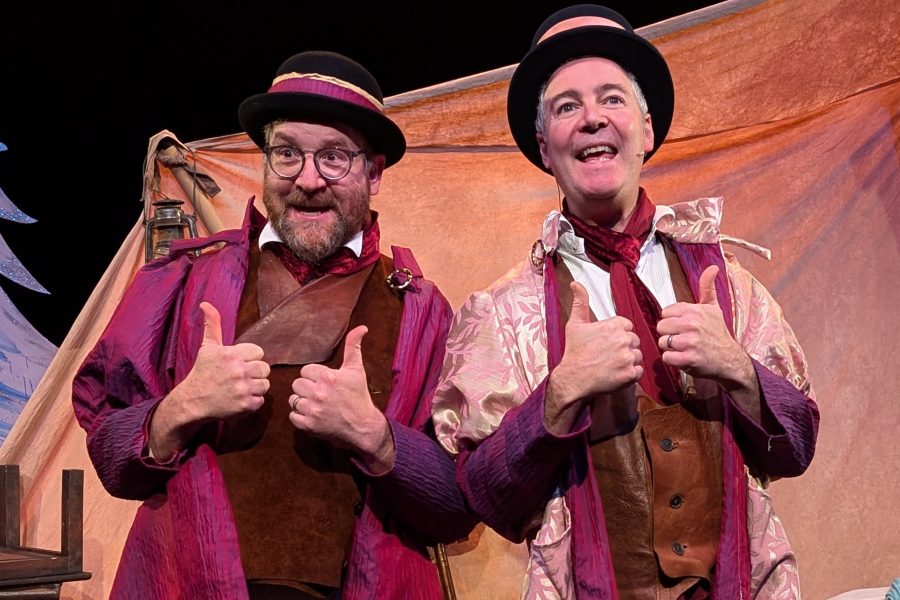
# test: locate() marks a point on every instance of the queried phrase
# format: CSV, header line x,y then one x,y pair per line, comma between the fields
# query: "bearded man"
x,y
270,408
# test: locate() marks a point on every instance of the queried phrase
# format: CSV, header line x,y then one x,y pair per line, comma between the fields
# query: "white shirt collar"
x,y
569,242
270,235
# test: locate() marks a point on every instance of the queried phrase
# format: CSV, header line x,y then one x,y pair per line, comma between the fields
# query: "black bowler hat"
x,y
619,44
325,86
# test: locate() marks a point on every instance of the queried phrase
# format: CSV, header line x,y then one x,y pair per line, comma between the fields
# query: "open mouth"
x,y
597,153
310,211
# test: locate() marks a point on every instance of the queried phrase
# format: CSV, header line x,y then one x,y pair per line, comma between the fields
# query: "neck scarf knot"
x,y
619,253
342,262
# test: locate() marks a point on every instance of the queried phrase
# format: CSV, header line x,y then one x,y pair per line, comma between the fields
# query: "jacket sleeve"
x,y
122,380
509,477
421,489
783,444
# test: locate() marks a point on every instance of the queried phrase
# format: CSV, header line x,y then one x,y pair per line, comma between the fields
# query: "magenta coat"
x,y
183,543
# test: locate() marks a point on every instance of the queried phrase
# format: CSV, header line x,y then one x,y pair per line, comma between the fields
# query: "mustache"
x,y
300,199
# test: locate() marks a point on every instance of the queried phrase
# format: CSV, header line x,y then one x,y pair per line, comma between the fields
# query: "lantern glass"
x,y
169,223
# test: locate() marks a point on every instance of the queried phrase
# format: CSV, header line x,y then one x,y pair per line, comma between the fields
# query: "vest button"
x,y
678,548
666,444
676,501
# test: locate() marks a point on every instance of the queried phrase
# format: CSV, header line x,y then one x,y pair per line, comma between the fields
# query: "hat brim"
x,y
627,49
382,134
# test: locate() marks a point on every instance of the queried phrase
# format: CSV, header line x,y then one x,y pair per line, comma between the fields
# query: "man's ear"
x,y
375,169
648,133
545,156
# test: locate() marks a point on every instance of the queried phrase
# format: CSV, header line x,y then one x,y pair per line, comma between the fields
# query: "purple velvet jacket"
x,y
183,543
511,474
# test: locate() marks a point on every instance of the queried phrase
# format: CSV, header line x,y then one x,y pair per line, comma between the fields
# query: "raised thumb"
x,y
708,286
353,347
581,304
212,325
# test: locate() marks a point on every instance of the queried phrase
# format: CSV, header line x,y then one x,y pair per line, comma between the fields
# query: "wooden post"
x,y
9,506
33,572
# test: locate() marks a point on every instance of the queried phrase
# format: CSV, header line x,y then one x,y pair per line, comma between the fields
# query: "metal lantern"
x,y
168,223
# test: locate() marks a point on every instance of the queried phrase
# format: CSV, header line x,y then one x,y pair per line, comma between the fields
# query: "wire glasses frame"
x,y
332,164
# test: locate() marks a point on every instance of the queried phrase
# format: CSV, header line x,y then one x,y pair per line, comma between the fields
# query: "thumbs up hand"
x,y
600,357
228,380
695,339
224,381
335,405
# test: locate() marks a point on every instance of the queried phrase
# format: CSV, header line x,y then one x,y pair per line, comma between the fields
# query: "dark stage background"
x,y
84,86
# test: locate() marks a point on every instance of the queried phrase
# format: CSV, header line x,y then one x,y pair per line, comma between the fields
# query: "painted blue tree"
x,y
24,353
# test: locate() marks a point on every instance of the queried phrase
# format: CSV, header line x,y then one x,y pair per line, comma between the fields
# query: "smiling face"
x,y
594,139
315,216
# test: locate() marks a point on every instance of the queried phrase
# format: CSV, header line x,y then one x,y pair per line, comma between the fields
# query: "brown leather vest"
x,y
294,498
661,482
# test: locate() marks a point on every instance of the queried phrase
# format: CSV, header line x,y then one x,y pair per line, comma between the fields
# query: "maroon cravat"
x,y
342,262
619,254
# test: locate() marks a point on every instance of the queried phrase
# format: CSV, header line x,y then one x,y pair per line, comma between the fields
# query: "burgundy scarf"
x,y
342,262
619,253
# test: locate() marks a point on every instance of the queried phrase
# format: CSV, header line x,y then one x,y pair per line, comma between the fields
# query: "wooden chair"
x,y
32,573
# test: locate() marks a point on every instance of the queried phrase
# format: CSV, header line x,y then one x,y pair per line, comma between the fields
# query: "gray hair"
x,y
540,122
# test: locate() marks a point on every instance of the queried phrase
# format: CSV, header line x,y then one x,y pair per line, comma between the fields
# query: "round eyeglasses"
x,y
331,163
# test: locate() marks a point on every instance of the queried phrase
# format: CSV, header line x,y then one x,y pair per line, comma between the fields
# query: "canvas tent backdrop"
x,y
787,109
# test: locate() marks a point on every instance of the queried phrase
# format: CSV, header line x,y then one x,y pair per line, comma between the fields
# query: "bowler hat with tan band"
x,y
325,87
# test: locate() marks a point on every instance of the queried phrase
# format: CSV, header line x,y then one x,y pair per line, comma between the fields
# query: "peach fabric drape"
x,y
789,109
